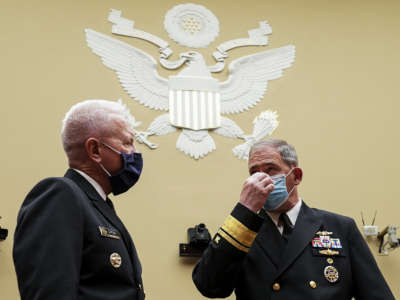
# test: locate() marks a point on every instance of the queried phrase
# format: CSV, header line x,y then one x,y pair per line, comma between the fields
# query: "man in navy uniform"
x,y
273,246
69,242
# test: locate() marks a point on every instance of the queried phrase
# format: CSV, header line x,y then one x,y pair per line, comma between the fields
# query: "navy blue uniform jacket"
x,y
60,252
246,256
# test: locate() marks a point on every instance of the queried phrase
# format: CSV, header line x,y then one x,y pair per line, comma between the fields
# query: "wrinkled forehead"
x,y
263,155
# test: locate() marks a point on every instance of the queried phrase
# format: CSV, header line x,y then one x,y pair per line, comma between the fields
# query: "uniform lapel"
x,y
105,210
306,226
97,201
112,217
130,245
270,240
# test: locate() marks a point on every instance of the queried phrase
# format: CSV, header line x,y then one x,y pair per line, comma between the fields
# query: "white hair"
x,y
91,118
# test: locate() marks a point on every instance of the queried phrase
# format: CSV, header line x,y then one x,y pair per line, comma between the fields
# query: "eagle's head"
x,y
195,64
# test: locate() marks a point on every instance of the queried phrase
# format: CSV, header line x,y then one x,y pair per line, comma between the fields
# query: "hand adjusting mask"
x,y
129,173
279,194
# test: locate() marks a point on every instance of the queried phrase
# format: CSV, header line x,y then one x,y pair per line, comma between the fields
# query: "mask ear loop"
x,y
290,172
285,182
105,171
111,148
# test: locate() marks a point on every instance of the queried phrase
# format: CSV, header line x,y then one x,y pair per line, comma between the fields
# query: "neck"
x,y
290,203
97,174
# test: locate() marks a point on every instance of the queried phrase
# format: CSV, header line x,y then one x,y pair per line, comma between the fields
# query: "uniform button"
x,y
276,286
115,260
313,284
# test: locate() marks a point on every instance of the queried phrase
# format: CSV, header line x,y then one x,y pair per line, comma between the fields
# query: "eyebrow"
x,y
262,165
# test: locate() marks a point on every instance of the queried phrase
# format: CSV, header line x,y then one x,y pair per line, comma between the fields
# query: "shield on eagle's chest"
x,y
194,102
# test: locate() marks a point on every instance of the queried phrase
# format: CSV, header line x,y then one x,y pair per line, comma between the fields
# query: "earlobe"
x,y
92,149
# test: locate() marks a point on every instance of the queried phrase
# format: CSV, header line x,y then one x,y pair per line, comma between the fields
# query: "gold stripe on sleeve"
x,y
239,231
232,241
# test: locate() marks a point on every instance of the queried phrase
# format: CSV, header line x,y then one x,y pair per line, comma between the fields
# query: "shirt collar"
x,y
293,213
94,183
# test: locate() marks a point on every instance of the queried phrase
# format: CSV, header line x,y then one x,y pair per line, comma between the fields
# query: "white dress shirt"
x,y
94,183
293,213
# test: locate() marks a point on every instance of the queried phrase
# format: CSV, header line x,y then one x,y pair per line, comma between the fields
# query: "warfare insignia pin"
x,y
331,274
324,233
329,252
115,260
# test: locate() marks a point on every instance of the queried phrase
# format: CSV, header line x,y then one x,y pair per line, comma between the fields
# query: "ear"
x,y
298,175
92,147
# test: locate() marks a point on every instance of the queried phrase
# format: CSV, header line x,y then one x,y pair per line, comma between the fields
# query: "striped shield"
x,y
194,104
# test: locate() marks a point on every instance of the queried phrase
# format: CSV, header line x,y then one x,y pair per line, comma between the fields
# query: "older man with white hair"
x,y
69,242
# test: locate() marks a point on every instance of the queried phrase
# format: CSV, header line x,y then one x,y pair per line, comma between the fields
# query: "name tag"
x,y
109,232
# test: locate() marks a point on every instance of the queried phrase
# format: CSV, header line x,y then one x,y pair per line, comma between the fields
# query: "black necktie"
x,y
110,204
287,226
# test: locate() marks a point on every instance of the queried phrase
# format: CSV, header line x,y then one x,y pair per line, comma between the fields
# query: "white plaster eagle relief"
x,y
194,100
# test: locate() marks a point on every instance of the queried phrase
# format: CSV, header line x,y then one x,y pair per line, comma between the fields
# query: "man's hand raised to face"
x,y
256,190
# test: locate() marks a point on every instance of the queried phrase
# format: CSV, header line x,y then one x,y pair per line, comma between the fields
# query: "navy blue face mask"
x,y
129,173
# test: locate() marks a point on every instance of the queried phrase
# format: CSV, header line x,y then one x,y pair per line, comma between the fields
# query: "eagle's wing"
x,y
249,77
137,71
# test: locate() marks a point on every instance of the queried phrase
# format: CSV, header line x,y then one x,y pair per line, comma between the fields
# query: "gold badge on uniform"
x,y
329,252
109,232
321,233
331,274
115,260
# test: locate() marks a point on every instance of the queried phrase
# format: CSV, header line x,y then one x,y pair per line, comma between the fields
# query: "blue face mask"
x,y
279,195
129,173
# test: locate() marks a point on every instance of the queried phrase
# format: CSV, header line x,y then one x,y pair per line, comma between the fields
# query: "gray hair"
x,y
91,118
287,152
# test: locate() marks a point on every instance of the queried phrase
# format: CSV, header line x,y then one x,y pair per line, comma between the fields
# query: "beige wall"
x,y
338,105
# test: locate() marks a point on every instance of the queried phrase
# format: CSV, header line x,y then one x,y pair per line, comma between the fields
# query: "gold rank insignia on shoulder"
x,y
329,252
331,274
109,232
